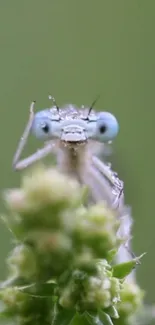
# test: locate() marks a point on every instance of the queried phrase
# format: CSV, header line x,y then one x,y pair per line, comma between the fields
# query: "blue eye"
x,y
42,126
107,127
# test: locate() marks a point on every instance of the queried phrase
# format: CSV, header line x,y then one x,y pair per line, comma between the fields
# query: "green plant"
x,y
61,269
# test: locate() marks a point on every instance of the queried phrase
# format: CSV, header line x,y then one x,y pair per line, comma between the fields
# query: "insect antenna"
x,y
92,105
54,102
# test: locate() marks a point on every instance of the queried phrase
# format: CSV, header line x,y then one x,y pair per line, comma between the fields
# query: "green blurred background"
x,y
74,50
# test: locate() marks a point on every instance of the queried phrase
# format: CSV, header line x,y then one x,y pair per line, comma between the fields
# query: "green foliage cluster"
x,y
61,269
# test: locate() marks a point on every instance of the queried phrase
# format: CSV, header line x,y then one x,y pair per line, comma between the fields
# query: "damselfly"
x,y
76,137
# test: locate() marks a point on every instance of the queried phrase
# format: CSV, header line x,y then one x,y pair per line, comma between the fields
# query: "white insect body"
x,y
76,136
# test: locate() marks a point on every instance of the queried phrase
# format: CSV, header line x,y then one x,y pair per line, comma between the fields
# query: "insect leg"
x,y
100,189
125,253
24,137
112,178
39,154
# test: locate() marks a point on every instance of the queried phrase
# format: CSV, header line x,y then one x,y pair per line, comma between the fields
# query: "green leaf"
x,y
112,311
93,319
111,254
79,319
16,229
105,318
62,316
122,270
42,290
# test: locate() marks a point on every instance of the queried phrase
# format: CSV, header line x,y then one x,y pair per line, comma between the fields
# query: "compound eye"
x,y
42,126
45,127
102,128
107,127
